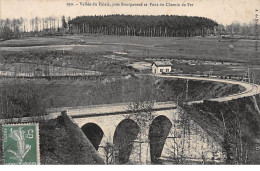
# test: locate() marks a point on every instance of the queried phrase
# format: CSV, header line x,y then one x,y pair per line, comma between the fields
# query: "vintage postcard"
x,y
129,82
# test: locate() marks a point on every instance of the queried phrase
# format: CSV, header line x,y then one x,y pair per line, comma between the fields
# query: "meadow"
x,y
240,53
205,48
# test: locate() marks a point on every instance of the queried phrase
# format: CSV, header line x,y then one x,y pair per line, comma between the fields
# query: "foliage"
x,y
109,152
141,113
151,26
129,25
6,33
234,124
19,99
180,136
64,24
143,116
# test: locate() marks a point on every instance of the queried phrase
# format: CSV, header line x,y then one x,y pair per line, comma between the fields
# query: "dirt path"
x,y
87,44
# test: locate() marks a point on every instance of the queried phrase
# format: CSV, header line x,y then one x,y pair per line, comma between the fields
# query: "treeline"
x,y
123,25
150,26
235,28
16,28
11,28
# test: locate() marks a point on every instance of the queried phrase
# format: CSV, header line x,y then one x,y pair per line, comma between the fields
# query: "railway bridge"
x,y
119,135
162,137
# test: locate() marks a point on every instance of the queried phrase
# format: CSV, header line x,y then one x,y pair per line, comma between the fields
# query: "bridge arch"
x,y
125,134
94,133
158,132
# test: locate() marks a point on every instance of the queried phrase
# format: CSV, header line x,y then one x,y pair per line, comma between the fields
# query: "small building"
x,y
159,67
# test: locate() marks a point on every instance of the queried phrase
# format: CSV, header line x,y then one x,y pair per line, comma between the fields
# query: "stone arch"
x,y
158,132
125,134
94,133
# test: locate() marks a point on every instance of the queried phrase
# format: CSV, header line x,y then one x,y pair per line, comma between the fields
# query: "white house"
x,y
159,67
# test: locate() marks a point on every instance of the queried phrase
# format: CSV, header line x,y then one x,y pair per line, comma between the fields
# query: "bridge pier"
x,y
145,149
141,149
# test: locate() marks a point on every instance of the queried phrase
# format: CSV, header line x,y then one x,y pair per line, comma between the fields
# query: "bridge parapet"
x,y
113,109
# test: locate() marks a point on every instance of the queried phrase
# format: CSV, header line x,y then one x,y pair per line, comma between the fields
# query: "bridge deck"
x,y
109,109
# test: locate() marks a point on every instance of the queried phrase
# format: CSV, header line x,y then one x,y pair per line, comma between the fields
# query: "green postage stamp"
x,y
21,143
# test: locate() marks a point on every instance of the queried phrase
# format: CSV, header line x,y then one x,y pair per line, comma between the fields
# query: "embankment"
x,y
234,124
120,90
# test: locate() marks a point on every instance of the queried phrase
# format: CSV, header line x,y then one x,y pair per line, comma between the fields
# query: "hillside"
x,y
234,124
129,89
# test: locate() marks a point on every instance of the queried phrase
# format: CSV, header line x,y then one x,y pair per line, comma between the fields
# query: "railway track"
x,y
250,89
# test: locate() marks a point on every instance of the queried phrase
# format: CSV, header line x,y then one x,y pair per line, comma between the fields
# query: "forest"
x,y
122,25
150,26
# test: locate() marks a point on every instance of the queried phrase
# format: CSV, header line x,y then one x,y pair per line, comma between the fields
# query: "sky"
x,y
222,11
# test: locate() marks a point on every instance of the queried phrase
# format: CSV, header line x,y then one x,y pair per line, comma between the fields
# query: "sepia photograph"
x,y
129,82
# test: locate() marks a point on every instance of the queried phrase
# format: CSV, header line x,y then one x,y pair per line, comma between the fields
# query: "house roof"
x,y
162,63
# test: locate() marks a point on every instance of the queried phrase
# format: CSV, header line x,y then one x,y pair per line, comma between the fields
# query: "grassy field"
x,y
189,48
240,53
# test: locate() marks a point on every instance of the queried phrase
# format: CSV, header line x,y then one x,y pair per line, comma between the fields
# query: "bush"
x,y
20,99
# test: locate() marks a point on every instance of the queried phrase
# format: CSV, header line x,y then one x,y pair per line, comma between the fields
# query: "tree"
x,y
64,24
180,135
235,144
19,99
143,116
6,33
161,26
109,153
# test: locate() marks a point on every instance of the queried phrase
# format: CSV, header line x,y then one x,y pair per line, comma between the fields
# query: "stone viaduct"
x,y
169,135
